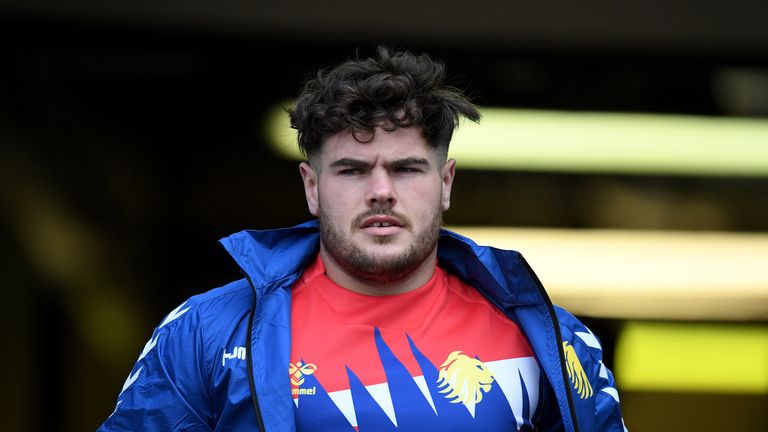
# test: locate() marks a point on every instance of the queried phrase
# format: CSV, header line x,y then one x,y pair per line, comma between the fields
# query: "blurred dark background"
x,y
131,140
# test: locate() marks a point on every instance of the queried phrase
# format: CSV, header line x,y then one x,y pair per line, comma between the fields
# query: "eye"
x,y
407,169
350,172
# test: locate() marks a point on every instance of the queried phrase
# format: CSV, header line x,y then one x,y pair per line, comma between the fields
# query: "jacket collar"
x,y
271,255
276,258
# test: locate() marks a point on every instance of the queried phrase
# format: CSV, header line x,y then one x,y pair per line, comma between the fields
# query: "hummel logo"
x,y
237,353
299,370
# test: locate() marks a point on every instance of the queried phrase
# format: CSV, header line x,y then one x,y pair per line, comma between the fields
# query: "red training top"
x,y
440,357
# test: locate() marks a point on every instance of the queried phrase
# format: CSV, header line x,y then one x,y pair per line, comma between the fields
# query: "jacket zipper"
x,y
559,336
249,357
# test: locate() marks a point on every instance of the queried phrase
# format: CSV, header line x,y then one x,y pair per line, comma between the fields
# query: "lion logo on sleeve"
x,y
576,372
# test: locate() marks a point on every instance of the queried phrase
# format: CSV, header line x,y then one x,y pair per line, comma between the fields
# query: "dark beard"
x,y
366,266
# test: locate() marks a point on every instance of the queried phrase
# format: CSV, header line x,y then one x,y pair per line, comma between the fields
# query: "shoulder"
x,y
576,334
232,297
198,326
202,314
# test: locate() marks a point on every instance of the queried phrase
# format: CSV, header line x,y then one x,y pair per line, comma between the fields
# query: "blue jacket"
x,y
192,374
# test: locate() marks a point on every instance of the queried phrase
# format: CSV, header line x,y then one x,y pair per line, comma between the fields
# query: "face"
x,y
379,203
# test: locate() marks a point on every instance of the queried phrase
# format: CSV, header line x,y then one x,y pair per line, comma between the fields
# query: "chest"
x,y
448,362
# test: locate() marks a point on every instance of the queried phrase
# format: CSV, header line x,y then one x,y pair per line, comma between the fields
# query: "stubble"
x,y
368,265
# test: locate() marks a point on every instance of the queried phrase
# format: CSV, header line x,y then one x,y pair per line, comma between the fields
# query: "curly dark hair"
x,y
391,90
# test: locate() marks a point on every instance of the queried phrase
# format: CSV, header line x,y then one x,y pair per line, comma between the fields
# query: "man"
x,y
360,320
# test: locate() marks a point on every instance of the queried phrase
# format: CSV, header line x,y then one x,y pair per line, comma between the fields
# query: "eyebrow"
x,y
357,163
349,162
409,161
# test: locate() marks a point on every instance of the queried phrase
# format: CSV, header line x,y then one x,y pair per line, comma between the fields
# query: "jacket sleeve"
x,y
592,384
166,389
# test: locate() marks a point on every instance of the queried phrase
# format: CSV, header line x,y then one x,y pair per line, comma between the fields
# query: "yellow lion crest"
x,y
576,372
464,379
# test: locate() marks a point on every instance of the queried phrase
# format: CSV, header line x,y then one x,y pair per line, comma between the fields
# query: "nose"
x,y
381,190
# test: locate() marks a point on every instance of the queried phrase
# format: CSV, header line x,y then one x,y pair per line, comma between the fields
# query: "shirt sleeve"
x,y
166,389
607,408
592,384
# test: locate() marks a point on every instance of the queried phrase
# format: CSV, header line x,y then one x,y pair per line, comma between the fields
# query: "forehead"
x,y
396,144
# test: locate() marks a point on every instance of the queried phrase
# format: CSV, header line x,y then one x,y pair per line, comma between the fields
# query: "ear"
x,y
447,174
310,178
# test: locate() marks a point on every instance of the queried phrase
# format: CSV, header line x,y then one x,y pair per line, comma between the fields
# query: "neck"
x,y
352,282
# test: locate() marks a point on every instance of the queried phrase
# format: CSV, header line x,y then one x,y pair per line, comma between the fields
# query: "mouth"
x,y
381,225
380,222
